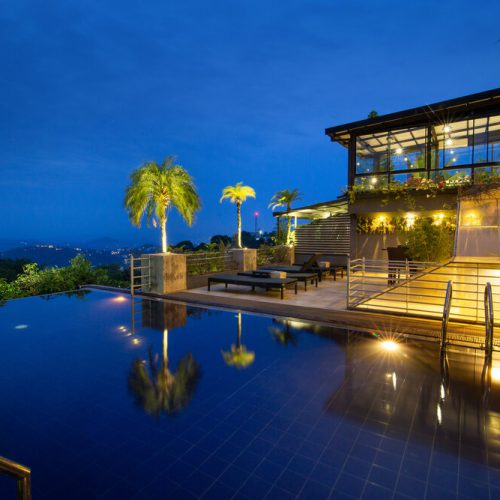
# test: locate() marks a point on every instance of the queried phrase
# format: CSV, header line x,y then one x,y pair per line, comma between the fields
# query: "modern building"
x,y
421,162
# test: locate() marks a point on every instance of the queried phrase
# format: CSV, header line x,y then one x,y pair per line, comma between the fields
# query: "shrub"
x,y
429,242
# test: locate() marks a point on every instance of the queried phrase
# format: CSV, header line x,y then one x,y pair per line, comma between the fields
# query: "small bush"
x,y
429,242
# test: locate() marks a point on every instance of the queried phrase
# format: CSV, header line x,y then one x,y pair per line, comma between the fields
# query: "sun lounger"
x,y
305,278
252,281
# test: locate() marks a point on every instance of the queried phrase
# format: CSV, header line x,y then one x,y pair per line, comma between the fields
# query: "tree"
x,y
373,114
154,189
237,194
158,389
285,198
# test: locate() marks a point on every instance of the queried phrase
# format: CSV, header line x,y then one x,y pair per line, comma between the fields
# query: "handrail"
x,y
141,276
488,319
22,475
446,314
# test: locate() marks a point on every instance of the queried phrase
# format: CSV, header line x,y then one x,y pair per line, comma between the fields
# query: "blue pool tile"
x,y
234,477
381,476
471,488
301,465
411,487
325,474
256,487
268,470
313,490
291,481
357,467
349,485
376,492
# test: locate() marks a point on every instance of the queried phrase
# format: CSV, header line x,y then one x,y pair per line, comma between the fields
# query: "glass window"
x,y
494,139
452,144
396,150
370,182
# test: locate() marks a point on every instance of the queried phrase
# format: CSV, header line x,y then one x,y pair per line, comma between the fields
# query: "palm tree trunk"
x,y
288,226
163,224
238,214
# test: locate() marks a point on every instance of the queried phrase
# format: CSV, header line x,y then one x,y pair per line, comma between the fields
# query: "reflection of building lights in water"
x,y
394,380
442,393
439,414
21,327
136,341
389,345
495,374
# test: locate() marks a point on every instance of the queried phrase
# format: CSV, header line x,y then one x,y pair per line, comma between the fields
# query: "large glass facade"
x,y
450,153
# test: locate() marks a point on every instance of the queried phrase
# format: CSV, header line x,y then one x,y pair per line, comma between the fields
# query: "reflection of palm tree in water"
x,y
239,357
284,335
158,389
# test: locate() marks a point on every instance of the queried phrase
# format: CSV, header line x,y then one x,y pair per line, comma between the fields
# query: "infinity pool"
x,y
103,398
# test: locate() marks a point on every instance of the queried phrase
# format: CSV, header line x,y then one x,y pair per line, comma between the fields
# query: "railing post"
x,y
407,271
488,319
446,315
348,281
363,269
131,275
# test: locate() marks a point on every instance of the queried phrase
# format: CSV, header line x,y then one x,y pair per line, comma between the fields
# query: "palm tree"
x,y
158,389
238,194
154,189
238,356
285,198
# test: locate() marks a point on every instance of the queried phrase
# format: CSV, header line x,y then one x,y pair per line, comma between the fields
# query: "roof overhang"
x,y
439,112
317,210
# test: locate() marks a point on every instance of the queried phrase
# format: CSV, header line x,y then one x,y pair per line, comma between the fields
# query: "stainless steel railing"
x,y
140,273
446,315
21,473
489,319
419,288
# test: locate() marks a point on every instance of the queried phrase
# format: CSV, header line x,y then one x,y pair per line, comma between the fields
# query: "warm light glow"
x,y
399,151
410,220
447,129
119,298
449,142
438,219
439,415
136,341
394,380
374,180
471,218
495,374
389,345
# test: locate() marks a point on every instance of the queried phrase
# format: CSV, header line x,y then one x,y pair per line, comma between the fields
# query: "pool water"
x,y
105,398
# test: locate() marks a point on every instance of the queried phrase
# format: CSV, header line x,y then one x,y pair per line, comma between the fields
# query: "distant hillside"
x,y
53,255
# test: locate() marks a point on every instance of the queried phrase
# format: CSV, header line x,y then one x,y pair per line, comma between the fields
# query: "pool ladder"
x,y
488,318
22,475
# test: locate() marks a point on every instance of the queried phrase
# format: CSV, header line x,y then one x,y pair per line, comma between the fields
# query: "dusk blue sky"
x,y
237,90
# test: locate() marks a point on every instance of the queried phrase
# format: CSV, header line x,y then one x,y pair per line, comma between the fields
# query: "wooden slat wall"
x,y
327,236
